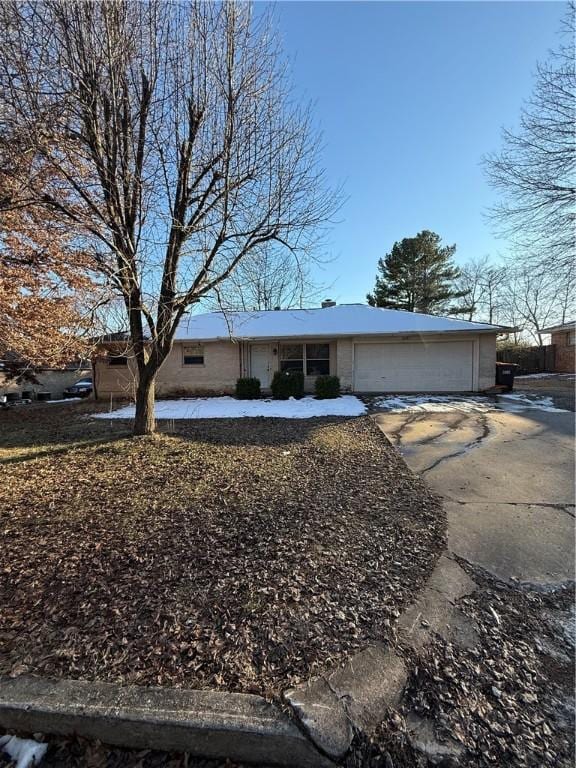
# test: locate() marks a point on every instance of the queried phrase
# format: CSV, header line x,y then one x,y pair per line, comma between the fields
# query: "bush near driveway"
x,y
242,555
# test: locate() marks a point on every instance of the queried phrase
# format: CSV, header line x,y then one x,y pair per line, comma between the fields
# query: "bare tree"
x,y
492,288
534,301
482,281
268,278
535,170
517,295
180,148
471,280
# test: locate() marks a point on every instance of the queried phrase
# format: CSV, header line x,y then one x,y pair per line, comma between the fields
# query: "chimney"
x,y
328,303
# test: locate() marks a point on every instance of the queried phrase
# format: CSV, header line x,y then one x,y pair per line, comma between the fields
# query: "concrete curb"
x,y
202,723
353,698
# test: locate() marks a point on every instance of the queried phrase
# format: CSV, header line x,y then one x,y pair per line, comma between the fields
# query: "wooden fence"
x,y
530,359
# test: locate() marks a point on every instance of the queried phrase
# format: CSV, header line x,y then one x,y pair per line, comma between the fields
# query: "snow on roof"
x,y
340,320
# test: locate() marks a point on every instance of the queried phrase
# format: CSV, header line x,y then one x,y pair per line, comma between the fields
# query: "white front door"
x,y
261,363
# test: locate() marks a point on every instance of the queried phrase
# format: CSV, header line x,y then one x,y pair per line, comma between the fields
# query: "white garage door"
x,y
440,366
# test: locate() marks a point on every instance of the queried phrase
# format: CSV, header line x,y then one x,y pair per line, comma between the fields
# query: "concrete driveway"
x,y
507,480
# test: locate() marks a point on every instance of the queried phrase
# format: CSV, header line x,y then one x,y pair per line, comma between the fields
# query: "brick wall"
x,y
219,372
564,361
345,363
217,375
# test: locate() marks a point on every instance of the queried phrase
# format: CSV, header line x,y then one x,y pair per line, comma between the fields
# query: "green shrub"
x,y
327,387
248,389
287,384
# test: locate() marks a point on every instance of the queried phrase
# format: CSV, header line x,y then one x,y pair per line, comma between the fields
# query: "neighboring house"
x,y
563,339
370,349
52,381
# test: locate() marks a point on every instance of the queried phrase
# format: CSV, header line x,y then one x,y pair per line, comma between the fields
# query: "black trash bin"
x,y
505,373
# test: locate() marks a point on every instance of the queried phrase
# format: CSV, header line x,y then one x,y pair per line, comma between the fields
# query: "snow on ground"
x,y
24,752
526,402
65,400
230,408
514,403
547,376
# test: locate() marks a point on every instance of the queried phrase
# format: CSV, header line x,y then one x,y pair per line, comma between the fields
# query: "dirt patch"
x,y
238,555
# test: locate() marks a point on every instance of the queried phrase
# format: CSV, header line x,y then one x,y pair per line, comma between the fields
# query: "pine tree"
x,y
418,276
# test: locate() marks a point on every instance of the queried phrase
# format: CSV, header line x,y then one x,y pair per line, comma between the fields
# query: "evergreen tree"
x,y
418,276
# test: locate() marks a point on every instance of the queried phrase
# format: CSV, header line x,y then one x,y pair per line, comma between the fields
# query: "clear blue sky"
x,y
409,96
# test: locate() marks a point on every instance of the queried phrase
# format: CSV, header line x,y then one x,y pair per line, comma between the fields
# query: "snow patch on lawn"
x,y
547,376
230,408
514,403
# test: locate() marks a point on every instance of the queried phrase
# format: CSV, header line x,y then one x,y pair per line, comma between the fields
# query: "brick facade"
x,y
564,352
222,362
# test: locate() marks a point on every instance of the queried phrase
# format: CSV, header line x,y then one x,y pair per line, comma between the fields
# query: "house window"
x,y
193,355
292,357
571,338
317,359
311,359
118,360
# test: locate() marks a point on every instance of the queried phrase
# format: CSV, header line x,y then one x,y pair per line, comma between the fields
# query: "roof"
x,y
569,326
109,338
339,320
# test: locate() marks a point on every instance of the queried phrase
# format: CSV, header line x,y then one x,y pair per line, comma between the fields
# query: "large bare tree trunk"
x,y
144,421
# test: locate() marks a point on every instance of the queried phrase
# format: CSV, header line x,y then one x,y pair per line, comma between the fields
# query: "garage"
x,y
418,366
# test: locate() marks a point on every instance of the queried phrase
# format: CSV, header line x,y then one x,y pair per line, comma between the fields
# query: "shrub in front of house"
x,y
247,389
287,384
327,387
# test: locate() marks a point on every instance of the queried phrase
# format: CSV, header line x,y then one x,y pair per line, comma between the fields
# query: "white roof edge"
x,y
570,325
352,334
255,312
340,321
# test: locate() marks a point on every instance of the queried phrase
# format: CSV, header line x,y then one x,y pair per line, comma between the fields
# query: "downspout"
x,y
241,359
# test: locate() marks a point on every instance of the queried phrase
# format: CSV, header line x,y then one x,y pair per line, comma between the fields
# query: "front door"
x,y
261,364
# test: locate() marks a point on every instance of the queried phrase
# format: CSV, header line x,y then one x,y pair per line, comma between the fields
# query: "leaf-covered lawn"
x,y
242,555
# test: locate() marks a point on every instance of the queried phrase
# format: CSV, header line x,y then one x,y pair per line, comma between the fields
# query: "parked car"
x,y
82,388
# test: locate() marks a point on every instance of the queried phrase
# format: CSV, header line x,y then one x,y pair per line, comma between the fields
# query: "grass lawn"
x,y
236,554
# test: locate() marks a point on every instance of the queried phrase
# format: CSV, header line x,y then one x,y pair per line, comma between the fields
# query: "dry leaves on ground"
x,y
235,555
510,699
